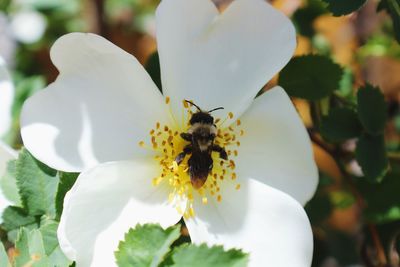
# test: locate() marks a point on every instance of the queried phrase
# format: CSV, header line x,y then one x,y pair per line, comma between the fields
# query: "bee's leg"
x,y
186,136
221,151
181,156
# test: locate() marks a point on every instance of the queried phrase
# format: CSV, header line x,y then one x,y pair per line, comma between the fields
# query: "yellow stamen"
x,y
166,143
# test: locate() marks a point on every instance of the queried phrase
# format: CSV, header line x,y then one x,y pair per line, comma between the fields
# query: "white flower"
x,y
102,108
28,26
6,100
7,42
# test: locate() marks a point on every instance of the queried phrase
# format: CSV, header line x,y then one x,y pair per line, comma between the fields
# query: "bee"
x,y
201,135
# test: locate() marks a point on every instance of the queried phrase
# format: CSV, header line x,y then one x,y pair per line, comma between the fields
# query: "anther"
x,y
185,104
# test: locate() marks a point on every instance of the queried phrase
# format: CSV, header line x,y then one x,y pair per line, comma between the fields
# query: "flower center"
x,y
195,161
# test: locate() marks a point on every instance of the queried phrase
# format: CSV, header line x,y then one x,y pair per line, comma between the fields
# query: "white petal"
x,y
101,105
261,220
8,44
6,154
104,203
221,59
275,148
6,98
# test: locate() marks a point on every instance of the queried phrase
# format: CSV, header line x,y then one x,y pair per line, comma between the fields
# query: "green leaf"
x,y
203,256
383,201
371,155
52,248
22,248
40,247
319,208
393,8
8,184
344,7
37,185
153,69
16,217
372,109
30,249
49,233
310,77
67,180
146,245
304,17
346,84
342,199
4,257
341,124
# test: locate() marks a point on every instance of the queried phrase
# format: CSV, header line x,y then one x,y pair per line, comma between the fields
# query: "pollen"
x,y
166,143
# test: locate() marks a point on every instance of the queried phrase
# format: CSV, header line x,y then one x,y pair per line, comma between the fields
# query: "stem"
x,y
100,18
317,140
315,112
378,245
393,254
335,154
393,155
344,100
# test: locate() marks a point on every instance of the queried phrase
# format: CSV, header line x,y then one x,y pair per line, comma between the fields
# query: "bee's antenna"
x,y
215,109
190,102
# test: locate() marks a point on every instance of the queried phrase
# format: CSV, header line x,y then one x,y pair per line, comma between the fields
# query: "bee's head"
x,y
201,117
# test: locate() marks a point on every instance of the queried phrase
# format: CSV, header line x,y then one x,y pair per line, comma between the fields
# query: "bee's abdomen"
x,y
200,165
